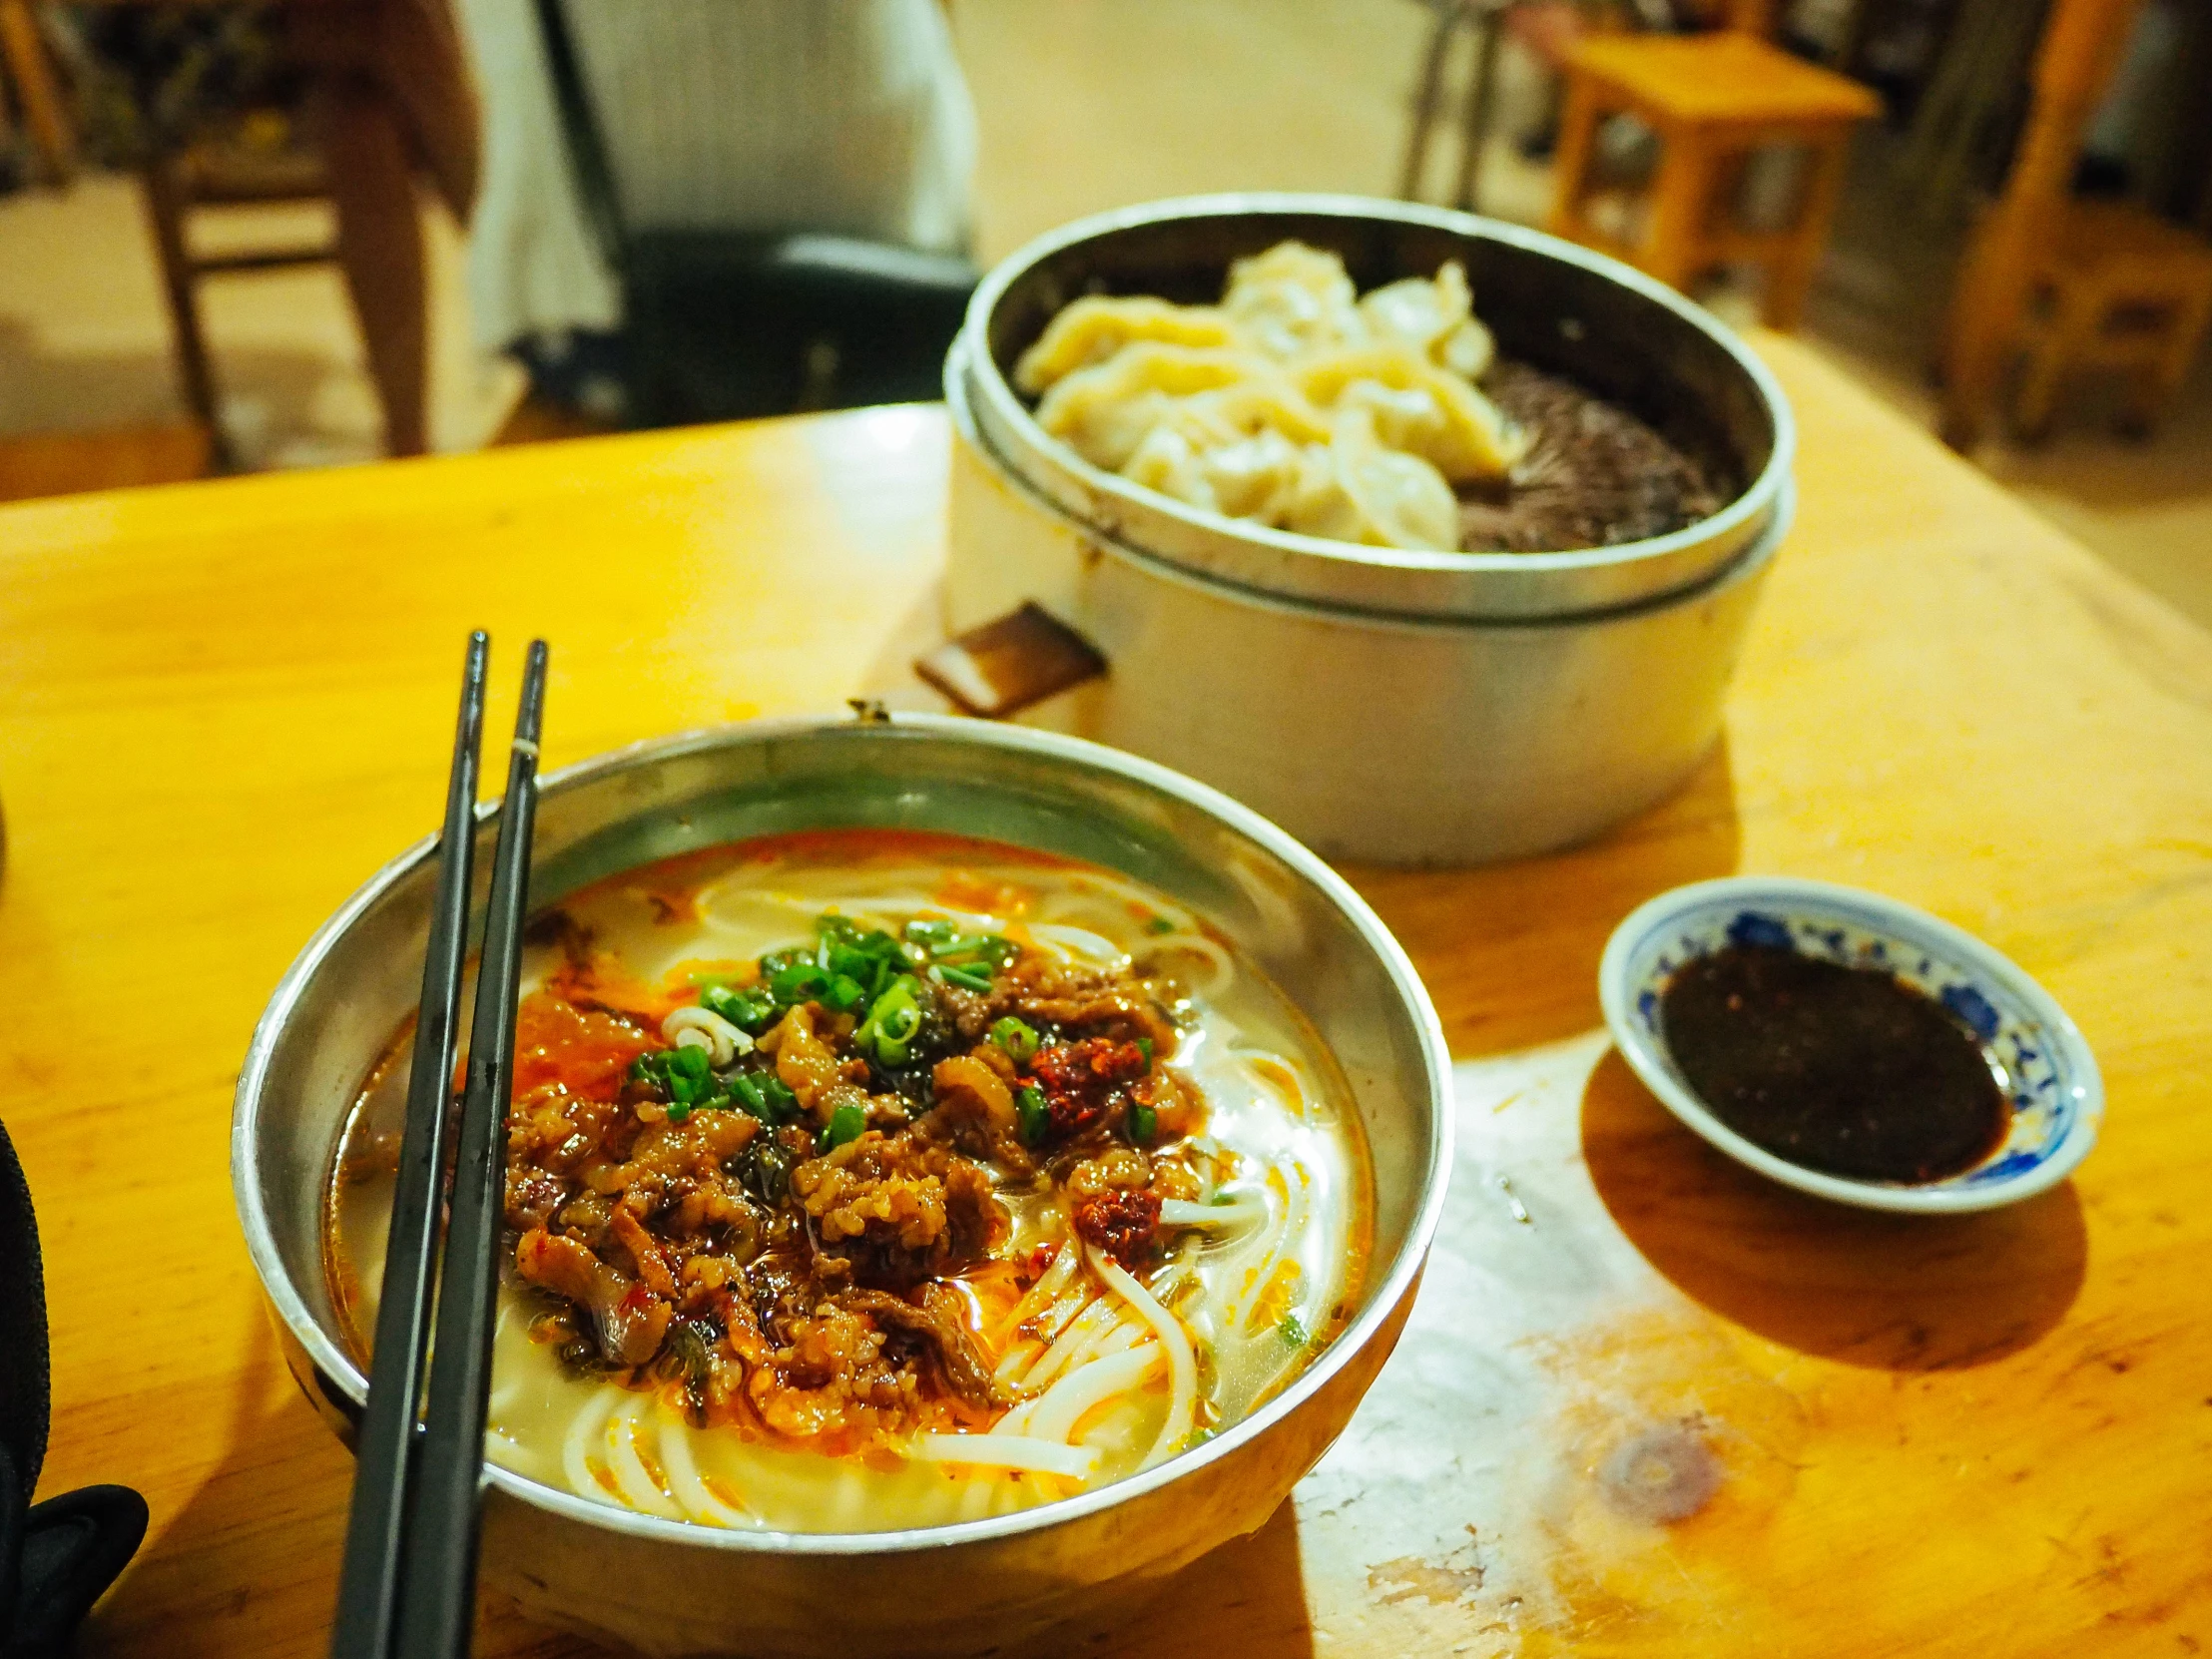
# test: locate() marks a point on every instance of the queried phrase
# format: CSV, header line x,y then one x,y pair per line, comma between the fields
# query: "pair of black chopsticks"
x,y
408,1586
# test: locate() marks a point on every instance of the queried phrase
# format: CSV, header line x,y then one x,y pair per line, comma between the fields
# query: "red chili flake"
x,y
1121,1223
1079,1079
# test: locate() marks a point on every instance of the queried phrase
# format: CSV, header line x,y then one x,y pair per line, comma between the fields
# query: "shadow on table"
x,y
1246,1599
1902,1292
248,1564
1509,951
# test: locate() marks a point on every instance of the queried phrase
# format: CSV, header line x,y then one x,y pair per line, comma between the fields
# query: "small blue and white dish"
x,y
2034,1049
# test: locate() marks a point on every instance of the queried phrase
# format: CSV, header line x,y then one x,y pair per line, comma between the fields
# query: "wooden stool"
x,y
1712,100
173,186
2118,289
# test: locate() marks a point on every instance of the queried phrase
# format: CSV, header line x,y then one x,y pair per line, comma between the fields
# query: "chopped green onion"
x,y
892,1022
895,1036
1030,1104
932,933
1158,924
684,1074
751,1011
846,1124
845,993
1018,1040
1144,1044
1221,1199
993,948
800,982
1294,1331
763,1095
966,978
1144,1122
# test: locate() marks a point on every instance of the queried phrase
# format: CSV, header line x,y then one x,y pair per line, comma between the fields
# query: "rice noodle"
x,y
638,1487
1238,1212
1079,1331
1007,1452
1182,1363
1089,1384
1078,943
1017,1358
1047,1289
683,1472
1220,970
587,1426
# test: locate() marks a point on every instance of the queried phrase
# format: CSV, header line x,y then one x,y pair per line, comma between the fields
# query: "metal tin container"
x,y
1408,706
669,1588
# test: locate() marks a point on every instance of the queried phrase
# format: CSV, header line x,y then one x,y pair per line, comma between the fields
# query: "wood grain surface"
x,y
223,705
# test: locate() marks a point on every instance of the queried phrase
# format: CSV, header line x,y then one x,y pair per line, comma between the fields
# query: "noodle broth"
x,y
1169,1213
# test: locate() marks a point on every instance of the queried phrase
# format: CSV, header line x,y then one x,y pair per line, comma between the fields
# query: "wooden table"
x,y
223,705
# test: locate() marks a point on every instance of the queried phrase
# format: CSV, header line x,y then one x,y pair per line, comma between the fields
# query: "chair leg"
x,y
1428,96
1790,278
1572,166
1681,200
1480,86
2038,399
25,55
380,246
163,198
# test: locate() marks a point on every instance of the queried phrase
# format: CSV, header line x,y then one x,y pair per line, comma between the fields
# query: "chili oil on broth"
x,y
1255,1273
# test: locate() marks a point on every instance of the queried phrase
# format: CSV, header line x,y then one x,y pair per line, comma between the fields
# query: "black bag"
x,y
721,325
55,1557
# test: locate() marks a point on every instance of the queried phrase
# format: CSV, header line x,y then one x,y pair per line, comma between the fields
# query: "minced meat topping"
x,y
786,1190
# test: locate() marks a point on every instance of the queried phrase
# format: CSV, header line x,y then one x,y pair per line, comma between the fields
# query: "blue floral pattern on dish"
x,y
2031,1068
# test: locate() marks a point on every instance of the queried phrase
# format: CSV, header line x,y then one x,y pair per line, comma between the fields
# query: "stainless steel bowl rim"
x,y
1733,519
1387,1290
1761,548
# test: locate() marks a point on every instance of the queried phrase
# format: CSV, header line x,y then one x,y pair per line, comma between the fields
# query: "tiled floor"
x,y
1084,103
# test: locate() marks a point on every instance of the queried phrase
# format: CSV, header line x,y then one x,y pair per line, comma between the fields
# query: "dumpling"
x,y
1292,299
1094,328
1467,350
1104,412
1253,477
1260,402
1236,451
1419,407
1433,318
1295,402
1375,494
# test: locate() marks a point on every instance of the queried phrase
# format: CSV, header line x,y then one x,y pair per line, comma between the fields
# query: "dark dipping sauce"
x,y
1846,1070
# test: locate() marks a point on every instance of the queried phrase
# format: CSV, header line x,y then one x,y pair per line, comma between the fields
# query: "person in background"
x,y
848,117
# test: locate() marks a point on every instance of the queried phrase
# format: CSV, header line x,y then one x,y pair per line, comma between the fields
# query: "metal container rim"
x,y
1753,500
1390,1288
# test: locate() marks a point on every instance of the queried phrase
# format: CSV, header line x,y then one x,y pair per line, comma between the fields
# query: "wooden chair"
x,y
390,99
1543,27
1713,100
171,186
2072,284
2116,289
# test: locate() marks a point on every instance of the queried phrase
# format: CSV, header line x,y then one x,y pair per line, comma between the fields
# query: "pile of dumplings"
x,y
1293,403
